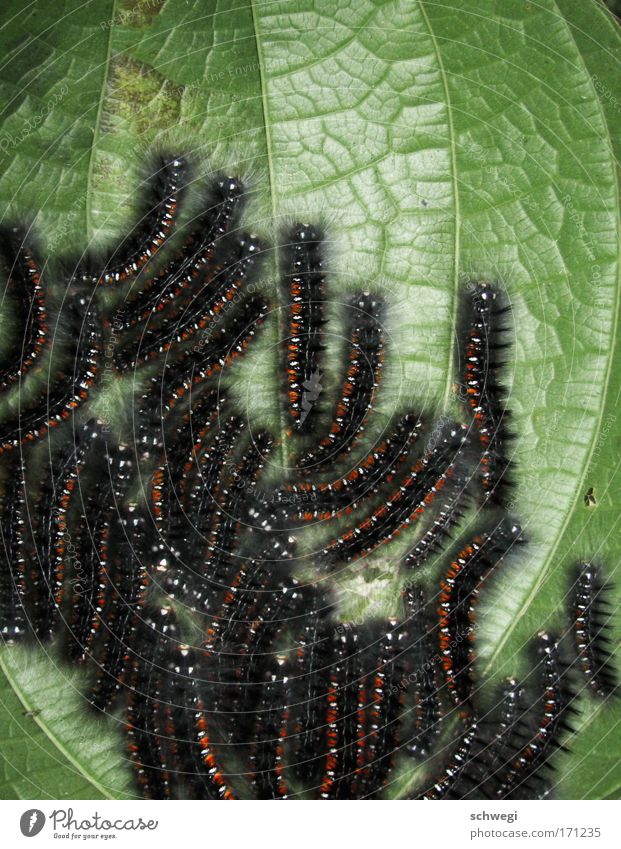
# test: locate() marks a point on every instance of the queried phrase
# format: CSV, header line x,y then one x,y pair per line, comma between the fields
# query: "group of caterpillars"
x,y
187,608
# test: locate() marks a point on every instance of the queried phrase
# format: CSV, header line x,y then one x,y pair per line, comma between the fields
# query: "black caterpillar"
x,y
167,561
592,627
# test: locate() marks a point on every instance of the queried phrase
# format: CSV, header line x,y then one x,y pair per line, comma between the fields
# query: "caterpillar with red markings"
x,y
485,335
177,686
460,758
304,292
275,594
267,608
450,510
340,713
591,620
26,285
218,783
406,504
13,585
182,755
323,501
170,479
309,689
99,537
55,547
423,720
386,657
71,388
184,568
499,736
126,584
205,307
525,776
157,217
146,659
261,601
333,751
87,558
459,593
163,682
347,676
267,758
222,207
240,486
507,754
222,556
363,370
190,370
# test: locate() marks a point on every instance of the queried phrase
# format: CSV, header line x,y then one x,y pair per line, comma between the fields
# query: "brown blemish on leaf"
x,y
141,97
139,13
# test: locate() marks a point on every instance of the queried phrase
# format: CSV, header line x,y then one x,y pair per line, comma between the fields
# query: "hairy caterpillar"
x,y
157,217
26,283
365,359
406,504
222,206
70,390
591,622
484,394
459,592
329,500
304,285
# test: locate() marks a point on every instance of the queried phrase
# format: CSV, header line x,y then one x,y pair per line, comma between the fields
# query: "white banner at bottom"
x,y
298,824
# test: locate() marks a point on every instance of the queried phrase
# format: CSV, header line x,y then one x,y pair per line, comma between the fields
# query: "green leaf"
x,y
51,749
439,142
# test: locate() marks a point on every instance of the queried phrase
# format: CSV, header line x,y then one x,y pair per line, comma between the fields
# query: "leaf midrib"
x,y
96,129
457,247
282,330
